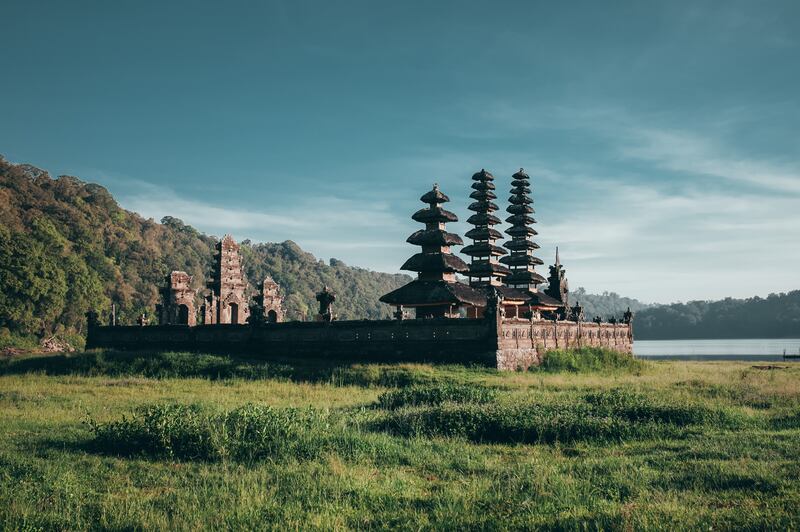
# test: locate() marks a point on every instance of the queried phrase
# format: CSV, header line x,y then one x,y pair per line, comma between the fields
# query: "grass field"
x,y
179,441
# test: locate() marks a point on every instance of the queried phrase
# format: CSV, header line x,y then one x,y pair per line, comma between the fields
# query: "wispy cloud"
x,y
683,151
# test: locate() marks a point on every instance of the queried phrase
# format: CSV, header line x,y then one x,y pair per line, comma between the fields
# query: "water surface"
x,y
750,349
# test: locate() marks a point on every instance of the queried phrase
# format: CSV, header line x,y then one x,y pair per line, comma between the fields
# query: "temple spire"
x,y
521,260
484,268
557,285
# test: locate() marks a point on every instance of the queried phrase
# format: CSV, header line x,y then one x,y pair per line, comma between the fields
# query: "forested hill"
x,y
776,316
67,246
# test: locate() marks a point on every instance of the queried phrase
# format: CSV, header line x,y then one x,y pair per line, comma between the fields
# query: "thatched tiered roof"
x,y
484,269
436,287
521,260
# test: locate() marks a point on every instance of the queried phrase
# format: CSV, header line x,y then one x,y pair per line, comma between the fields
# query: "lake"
x,y
750,349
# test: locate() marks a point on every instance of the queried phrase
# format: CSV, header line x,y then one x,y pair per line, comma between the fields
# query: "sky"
x,y
662,138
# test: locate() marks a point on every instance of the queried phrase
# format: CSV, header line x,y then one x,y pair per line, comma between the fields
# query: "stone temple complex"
x,y
494,314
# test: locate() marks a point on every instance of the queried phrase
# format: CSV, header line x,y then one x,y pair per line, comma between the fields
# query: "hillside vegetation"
x,y
776,316
178,441
67,246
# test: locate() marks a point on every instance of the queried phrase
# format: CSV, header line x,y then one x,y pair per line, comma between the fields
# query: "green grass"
x,y
588,359
178,441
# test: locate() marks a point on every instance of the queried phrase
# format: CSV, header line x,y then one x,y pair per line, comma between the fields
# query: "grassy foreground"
x,y
179,441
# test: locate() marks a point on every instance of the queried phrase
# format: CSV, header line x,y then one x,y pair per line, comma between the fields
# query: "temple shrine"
x,y
435,293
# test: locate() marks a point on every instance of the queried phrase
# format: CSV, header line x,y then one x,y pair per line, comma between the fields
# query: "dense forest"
x,y
67,246
776,316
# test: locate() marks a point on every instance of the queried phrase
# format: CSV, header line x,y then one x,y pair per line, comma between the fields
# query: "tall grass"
x,y
588,359
614,415
436,394
189,432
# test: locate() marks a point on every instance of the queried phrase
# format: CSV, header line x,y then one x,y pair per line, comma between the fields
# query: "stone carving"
x,y
576,313
627,317
326,299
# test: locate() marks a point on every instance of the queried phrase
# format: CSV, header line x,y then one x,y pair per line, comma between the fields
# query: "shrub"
x,y
187,432
173,430
436,394
605,416
588,359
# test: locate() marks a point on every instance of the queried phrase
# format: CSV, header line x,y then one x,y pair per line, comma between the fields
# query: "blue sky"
x,y
663,138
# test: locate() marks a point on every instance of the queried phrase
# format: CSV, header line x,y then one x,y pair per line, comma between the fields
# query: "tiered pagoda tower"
x,y
484,269
521,260
435,293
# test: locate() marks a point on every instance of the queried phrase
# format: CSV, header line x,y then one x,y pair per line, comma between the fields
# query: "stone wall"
x,y
505,343
435,340
522,342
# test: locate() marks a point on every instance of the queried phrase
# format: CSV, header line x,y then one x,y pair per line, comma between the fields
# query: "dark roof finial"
x,y
558,262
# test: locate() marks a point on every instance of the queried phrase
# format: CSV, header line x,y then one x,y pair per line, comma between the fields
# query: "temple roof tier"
x,y
434,237
515,245
520,209
483,249
486,269
521,259
520,183
520,189
430,293
483,206
521,175
434,196
434,215
483,195
524,277
543,301
483,175
434,263
483,219
484,233
521,230
520,219
483,185
520,200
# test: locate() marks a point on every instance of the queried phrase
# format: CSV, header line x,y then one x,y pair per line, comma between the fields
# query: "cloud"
x,y
682,151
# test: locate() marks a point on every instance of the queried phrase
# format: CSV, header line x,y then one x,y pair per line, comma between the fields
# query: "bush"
x,y
606,416
588,359
187,432
436,394
636,406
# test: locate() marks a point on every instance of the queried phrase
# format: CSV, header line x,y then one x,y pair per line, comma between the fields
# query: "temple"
x,y
227,302
494,315
268,303
177,301
435,293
